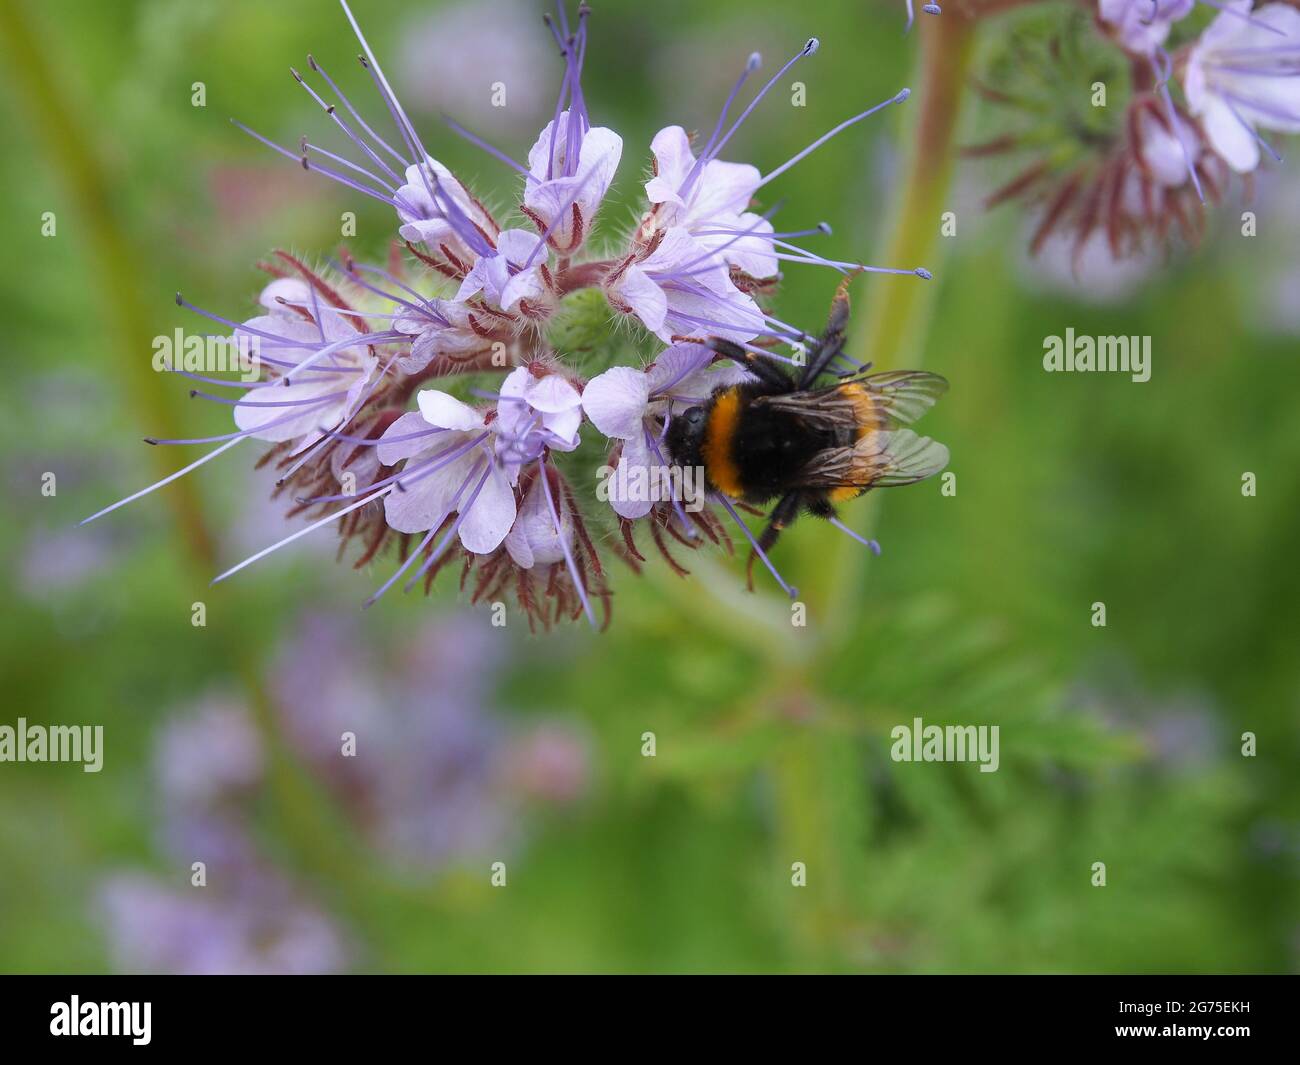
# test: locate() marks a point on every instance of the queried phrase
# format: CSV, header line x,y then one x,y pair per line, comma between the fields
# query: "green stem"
x,y
891,332
116,265
822,795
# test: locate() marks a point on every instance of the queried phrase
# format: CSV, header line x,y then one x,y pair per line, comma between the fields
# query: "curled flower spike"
x,y
360,388
1139,171
1196,113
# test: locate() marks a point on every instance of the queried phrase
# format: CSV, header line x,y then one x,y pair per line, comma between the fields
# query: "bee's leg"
x,y
820,359
767,370
831,342
820,507
782,515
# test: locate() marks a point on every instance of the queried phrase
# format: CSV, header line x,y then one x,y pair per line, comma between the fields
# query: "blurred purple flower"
x,y
211,754
1180,732
551,764
496,42
434,776
439,800
1273,838
206,764
246,918
402,737
58,560
261,929
1089,272
1272,295
325,685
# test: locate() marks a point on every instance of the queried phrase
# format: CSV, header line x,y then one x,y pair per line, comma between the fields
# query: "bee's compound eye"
x,y
693,416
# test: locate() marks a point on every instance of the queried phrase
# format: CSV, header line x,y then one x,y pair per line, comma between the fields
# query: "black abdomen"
x,y
770,450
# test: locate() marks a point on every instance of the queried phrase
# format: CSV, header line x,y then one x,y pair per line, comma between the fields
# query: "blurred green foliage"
x,y
773,743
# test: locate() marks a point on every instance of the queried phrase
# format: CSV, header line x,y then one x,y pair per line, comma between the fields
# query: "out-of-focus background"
x,y
1119,744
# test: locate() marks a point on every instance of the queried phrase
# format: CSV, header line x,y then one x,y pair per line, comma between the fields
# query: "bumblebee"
x,y
779,437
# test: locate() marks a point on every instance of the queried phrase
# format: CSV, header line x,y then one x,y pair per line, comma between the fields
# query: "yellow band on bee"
x,y
864,413
864,408
719,434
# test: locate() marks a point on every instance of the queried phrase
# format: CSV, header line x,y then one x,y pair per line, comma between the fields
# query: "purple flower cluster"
x,y
353,354
1238,79
236,912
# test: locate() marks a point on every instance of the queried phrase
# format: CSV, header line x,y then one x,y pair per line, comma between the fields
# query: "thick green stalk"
x,y
822,795
890,330
117,266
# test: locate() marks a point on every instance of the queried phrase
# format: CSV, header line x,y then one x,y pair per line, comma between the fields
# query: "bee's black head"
x,y
685,435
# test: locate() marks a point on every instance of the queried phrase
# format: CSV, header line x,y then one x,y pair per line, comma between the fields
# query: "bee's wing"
x,y
892,400
878,460
899,397
822,408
